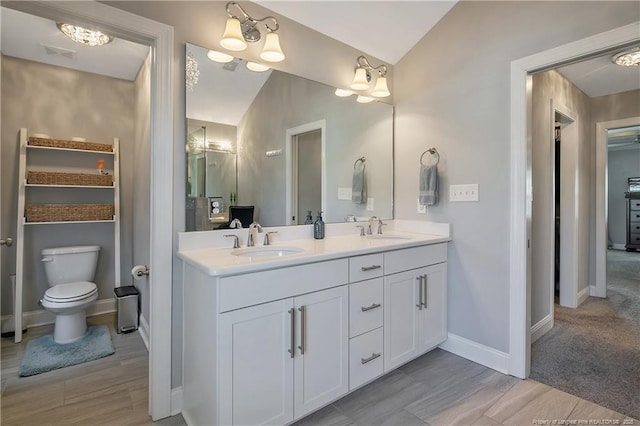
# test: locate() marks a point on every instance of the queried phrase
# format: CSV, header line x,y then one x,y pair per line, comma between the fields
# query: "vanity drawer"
x,y
365,306
634,216
634,238
365,357
412,258
259,287
634,228
365,267
634,204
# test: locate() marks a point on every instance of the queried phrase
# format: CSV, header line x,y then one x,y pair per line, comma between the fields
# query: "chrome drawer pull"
x,y
368,308
292,351
370,268
419,305
303,326
371,358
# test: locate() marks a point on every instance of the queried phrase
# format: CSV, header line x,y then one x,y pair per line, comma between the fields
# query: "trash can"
x,y
127,305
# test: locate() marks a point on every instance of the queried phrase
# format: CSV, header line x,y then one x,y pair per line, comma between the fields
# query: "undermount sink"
x,y
266,251
387,237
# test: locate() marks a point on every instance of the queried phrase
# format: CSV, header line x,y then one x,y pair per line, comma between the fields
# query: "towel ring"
x,y
363,159
433,152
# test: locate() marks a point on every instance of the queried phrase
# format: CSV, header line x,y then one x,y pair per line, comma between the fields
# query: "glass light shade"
x,y
232,38
628,59
253,66
221,57
360,80
84,35
271,52
343,93
364,99
381,90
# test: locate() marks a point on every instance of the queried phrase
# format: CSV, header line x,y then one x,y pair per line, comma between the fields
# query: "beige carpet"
x,y
594,351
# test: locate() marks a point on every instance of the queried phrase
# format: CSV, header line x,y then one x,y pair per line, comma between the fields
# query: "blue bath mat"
x,y
43,354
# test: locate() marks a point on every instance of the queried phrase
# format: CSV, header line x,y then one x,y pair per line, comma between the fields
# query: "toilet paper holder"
x,y
139,271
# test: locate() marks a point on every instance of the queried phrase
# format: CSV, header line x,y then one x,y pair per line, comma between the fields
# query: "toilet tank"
x,y
70,264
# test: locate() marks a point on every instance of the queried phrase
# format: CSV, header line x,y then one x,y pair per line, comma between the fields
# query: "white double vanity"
x,y
273,333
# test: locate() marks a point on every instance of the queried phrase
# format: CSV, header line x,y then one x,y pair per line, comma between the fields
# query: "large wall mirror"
x,y
283,145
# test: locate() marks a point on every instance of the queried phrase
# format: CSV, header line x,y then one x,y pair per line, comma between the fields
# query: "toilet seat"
x,y
70,292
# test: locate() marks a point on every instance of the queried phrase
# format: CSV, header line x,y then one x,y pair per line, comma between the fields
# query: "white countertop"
x,y
218,261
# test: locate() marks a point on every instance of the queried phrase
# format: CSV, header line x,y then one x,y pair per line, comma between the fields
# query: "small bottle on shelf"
x,y
101,170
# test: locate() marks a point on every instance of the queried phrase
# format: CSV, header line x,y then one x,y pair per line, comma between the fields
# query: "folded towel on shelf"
x,y
428,185
359,183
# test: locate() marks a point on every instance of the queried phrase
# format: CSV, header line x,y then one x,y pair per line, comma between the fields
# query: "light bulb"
x,y
232,38
364,99
360,81
221,57
381,90
343,93
271,52
253,66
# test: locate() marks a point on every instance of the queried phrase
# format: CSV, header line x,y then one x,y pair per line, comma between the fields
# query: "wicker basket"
x,y
61,143
57,178
68,212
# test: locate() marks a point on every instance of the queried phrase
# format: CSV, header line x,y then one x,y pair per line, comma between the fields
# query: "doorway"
x,y
306,171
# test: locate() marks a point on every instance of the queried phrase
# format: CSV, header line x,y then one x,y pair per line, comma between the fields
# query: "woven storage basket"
x,y
68,212
57,178
61,143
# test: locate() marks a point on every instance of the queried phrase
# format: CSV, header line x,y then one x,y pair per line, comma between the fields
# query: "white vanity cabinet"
x,y
415,314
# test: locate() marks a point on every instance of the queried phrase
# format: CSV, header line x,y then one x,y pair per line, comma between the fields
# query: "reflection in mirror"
x,y
296,142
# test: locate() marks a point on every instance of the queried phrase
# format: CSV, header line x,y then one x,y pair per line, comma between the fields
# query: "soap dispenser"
x,y
318,227
309,218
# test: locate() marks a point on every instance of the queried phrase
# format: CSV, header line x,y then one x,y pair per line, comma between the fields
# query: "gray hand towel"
x,y
429,185
359,184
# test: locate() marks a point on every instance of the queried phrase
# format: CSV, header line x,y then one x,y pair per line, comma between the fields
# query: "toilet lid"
x,y
70,291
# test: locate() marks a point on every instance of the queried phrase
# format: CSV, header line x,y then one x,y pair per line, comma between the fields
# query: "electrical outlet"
x,y
422,209
468,192
344,194
370,204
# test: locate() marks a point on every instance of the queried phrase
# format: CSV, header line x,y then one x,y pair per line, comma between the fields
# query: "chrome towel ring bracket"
x,y
363,159
433,152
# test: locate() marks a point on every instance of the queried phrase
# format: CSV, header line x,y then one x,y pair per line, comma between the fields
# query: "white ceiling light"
x,y
253,66
84,35
343,93
628,58
364,99
221,57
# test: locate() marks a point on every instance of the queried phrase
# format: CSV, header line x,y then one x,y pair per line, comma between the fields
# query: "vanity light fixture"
x,y
84,35
362,78
242,28
221,57
343,93
364,99
628,58
256,67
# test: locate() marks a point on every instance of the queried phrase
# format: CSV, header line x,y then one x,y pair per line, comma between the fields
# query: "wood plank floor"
x,y
436,389
109,391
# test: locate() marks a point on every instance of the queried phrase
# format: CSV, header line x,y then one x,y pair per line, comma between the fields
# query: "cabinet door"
x,y
321,363
401,318
256,367
433,317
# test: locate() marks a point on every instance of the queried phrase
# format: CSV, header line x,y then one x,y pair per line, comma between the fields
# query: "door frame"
x,y
290,134
602,193
520,178
159,37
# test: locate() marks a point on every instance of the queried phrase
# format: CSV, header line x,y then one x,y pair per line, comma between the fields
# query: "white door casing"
x,y
160,37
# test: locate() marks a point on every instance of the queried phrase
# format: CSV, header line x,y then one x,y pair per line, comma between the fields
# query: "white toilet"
x,y
69,273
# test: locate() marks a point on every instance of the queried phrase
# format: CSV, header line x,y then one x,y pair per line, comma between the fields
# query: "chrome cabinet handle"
x,y
303,326
424,283
370,268
419,305
371,358
368,308
292,351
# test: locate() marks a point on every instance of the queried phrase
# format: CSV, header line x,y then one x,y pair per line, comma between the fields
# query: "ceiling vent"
x,y
53,50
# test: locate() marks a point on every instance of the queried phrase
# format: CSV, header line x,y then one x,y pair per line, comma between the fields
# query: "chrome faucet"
x,y
236,243
253,229
267,237
375,219
371,219
235,224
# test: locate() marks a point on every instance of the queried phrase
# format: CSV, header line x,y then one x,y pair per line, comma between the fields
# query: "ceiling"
x,y
37,39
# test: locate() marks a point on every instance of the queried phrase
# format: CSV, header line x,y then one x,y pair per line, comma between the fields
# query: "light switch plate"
x,y
467,192
344,194
370,204
421,208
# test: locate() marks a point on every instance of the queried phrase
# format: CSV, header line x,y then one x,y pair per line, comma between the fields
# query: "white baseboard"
x,y
583,294
143,330
43,317
176,401
618,247
473,351
541,328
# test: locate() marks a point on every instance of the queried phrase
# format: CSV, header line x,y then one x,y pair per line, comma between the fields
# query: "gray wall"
x,y
452,91
623,163
309,174
353,130
64,103
142,179
548,86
